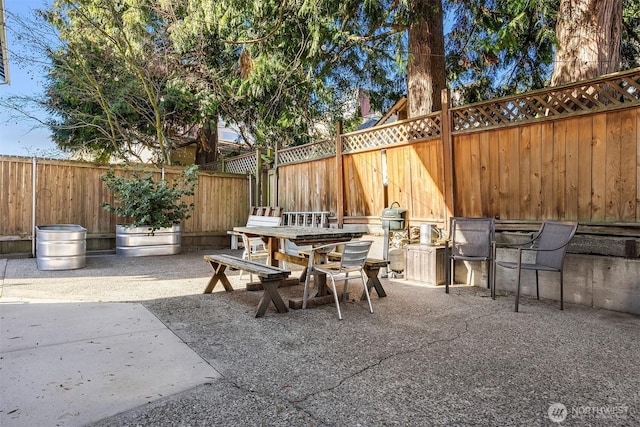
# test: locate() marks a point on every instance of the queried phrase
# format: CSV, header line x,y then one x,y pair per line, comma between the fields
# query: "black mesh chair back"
x,y
553,239
549,246
470,239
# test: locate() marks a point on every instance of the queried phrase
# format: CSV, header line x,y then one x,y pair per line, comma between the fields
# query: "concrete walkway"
x,y
423,357
75,363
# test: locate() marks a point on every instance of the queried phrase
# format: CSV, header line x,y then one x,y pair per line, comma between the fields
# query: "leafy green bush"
x,y
155,204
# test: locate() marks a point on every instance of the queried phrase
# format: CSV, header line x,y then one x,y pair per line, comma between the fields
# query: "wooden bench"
x,y
254,220
270,278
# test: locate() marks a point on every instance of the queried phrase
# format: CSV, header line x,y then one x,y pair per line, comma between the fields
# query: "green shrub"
x,y
155,204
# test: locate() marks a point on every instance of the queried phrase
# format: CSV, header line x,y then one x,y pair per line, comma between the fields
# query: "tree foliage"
x,y
299,62
142,73
110,82
160,74
501,47
630,35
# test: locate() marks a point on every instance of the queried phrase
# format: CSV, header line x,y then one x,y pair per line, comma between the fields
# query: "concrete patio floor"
x,y
175,356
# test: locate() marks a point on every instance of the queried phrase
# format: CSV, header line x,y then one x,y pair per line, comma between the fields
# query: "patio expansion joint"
x,y
251,390
458,335
298,403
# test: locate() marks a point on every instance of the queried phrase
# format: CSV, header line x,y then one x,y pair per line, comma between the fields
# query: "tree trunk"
x,y
426,69
589,35
207,143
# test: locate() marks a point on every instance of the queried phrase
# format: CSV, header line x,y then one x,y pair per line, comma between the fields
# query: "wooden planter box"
x,y
425,263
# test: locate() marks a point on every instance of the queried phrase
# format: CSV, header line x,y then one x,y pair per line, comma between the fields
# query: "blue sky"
x,y
20,136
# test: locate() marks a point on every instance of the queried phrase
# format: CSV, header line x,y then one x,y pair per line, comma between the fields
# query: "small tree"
x,y
114,84
156,204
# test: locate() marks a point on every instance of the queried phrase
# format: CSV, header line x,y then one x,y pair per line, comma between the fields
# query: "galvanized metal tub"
x,y
138,241
61,247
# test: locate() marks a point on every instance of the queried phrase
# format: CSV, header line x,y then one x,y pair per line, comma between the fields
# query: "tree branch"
x,y
268,35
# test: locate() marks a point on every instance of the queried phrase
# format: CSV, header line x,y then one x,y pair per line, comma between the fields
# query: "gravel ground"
x,y
422,358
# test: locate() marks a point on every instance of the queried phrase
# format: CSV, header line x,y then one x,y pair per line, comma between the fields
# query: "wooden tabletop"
x,y
302,235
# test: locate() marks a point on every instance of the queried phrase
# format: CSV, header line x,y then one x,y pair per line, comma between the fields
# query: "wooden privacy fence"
x,y
581,168
37,192
373,173
569,152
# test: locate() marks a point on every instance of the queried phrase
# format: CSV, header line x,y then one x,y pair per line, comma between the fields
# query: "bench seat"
x,y
371,262
270,277
259,269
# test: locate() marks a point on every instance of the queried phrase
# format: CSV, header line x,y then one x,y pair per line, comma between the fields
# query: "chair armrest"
x,y
546,250
312,251
513,245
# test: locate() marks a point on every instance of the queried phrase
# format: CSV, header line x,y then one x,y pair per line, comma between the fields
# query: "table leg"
x,y
319,279
218,276
271,294
273,245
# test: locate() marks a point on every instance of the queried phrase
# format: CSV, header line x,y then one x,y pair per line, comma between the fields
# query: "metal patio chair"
x,y
470,239
549,246
354,255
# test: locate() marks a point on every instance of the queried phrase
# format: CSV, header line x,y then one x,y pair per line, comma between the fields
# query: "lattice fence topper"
x,y
315,150
246,163
609,92
411,130
620,89
406,131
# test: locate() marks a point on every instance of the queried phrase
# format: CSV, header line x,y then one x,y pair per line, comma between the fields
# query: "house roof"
x,y
396,110
369,122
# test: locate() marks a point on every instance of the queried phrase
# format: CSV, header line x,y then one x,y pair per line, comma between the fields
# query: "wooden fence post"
x,y
259,198
34,181
275,182
340,174
447,160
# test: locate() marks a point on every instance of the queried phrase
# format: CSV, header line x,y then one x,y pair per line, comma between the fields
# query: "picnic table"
x,y
302,236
